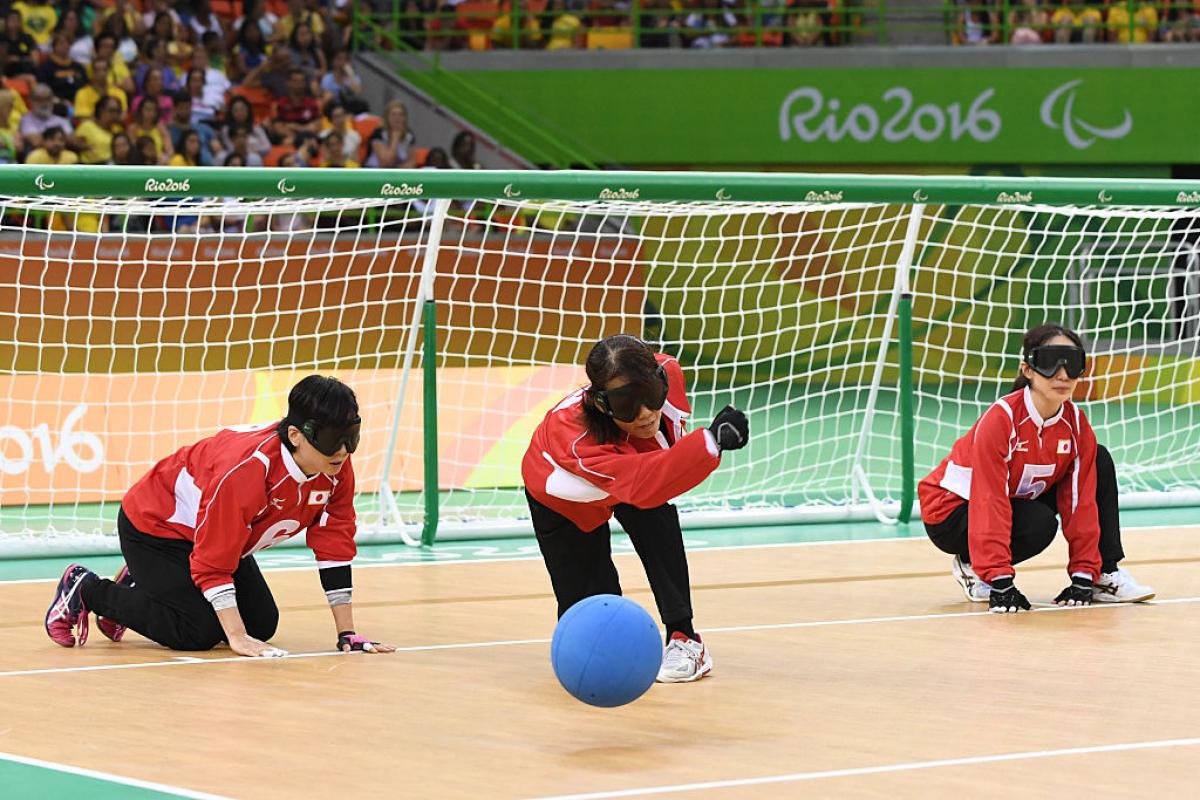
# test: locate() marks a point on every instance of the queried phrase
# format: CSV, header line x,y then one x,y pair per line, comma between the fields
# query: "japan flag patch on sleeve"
x,y
321,497
1064,446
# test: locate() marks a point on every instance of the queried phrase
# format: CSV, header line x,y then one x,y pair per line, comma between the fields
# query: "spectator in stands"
x,y
104,47
40,117
70,26
658,25
155,60
163,28
96,134
1180,22
202,109
251,49
333,151
241,113
99,86
462,152
299,13
336,35
147,151
436,158
297,111
122,28
11,144
122,151
564,26
53,150
84,10
701,27
391,145
234,160
187,154
1143,28
336,119
411,24
974,29
202,20
273,74
342,85
147,123
240,146
216,82
59,72
257,12
153,89
1084,26
805,23
127,12
21,48
305,55
181,123
38,20
1027,21
155,9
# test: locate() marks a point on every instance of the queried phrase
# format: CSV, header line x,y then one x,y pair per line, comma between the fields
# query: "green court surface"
x,y
30,778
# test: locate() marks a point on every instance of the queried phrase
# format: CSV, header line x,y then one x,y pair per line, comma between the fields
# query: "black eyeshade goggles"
x,y
625,404
329,439
1047,359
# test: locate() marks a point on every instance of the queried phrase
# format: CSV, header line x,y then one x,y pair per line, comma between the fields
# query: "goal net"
x,y
140,312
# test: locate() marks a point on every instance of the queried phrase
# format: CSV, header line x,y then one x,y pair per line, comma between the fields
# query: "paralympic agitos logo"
x,y
1062,117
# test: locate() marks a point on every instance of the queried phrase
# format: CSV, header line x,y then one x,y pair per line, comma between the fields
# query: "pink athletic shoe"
x,y
68,611
111,628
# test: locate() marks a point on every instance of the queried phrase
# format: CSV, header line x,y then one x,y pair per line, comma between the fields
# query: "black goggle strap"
x,y
328,439
624,403
1047,359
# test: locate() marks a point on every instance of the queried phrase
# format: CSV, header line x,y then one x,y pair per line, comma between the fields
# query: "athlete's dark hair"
x,y
1036,337
324,400
612,357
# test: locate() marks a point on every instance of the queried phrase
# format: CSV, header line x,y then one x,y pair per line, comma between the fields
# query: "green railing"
x,y
481,25
167,182
522,130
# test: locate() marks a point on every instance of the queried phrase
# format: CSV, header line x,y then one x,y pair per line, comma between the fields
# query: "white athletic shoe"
x,y
684,660
1120,587
973,587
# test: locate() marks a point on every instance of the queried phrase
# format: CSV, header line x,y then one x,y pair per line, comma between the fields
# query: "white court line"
x,y
111,778
192,661
857,771
692,547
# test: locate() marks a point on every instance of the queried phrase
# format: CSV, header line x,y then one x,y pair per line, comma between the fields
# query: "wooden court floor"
x,y
842,670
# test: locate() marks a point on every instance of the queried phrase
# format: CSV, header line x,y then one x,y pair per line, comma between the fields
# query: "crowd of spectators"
x,y
611,24
199,83
1032,22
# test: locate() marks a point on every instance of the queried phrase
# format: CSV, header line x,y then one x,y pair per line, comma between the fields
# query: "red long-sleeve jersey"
x,y
1012,452
238,492
569,471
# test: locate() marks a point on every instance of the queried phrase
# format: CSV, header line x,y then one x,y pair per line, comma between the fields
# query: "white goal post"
x,y
863,322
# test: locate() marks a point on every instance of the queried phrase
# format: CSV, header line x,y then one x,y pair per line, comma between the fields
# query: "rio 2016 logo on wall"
x,y
79,450
806,113
899,116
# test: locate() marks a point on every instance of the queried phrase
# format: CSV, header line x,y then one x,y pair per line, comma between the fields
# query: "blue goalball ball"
x,y
606,650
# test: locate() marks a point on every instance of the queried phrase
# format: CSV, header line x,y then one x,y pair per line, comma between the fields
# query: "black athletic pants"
x,y
165,605
1034,522
580,563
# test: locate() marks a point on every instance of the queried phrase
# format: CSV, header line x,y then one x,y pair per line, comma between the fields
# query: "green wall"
x,y
1026,116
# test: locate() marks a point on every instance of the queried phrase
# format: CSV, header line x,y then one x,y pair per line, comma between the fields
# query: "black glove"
x,y
730,429
1006,598
1079,593
351,642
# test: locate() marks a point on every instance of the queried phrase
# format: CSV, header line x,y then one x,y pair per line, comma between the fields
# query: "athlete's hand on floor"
x,y
246,645
1079,593
351,642
1006,598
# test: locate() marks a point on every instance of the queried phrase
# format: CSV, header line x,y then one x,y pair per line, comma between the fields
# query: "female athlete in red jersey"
x,y
190,526
1029,460
619,447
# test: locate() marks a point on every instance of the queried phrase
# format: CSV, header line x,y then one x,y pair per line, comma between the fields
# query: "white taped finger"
x,y
369,647
272,652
